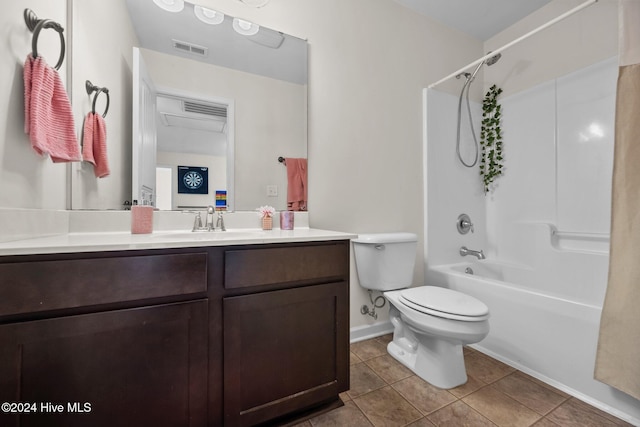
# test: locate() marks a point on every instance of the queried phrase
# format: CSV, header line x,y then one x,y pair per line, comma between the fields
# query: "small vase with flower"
x,y
266,213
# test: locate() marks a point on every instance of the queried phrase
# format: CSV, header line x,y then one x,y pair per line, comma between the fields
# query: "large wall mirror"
x,y
198,100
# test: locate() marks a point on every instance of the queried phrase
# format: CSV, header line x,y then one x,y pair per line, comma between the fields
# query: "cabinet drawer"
x,y
33,286
252,267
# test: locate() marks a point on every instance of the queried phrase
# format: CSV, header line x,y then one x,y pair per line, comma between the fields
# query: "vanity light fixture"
x,y
208,16
245,28
255,3
170,5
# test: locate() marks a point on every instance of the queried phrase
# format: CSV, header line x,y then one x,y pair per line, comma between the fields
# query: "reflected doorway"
x,y
164,187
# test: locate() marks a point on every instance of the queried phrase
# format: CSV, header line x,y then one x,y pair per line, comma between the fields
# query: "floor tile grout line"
x,y
363,413
509,397
468,406
409,402
565,399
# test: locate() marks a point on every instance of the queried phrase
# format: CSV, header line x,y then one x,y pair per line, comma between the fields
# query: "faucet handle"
x,y
197,223
468,224
464,224
220,222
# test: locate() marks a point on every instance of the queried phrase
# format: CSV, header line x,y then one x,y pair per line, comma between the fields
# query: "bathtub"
x,y
546,327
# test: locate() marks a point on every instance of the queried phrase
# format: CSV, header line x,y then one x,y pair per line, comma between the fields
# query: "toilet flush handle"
x,y
379,247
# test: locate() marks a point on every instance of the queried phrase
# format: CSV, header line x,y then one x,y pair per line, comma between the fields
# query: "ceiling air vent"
x,y
207,109
189,48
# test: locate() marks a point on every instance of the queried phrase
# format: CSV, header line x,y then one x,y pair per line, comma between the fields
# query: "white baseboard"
x,y
361,333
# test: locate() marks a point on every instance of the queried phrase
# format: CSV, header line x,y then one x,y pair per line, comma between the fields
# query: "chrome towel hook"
x,y
90,87
35,25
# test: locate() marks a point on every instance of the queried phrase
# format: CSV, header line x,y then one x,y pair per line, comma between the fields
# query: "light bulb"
x,y
170,5
255,3
245,28
208,16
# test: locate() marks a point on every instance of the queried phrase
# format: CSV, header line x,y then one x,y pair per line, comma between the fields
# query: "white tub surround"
x,y
544,229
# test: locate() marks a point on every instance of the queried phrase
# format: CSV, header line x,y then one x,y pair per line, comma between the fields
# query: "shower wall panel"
x,y
585,122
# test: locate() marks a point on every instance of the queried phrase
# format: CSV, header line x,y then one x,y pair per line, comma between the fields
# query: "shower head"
x,y
495,58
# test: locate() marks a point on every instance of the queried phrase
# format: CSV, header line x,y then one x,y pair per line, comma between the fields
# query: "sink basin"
x,y
210,235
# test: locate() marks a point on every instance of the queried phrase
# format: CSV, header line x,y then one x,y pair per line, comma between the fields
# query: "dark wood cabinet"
x,y
208,336
284,351
138,366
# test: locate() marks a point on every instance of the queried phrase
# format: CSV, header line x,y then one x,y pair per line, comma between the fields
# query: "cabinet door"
x,y
284,351
136,367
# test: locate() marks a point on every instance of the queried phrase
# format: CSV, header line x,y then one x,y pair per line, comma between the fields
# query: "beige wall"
x,y
589,36
368,63
26,179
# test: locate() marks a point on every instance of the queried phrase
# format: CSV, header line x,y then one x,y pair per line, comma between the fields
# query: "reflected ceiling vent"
x,y
189,48
207,109
190,114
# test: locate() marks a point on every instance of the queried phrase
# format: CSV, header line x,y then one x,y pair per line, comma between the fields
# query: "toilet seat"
x,y
445,303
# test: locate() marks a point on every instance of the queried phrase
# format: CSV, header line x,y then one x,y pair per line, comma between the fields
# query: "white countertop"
x,y
116,241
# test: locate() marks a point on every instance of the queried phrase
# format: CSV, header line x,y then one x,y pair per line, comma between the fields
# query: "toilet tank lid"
x,y
378,238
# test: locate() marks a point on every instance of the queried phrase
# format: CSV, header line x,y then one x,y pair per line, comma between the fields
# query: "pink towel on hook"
x,y
48,118
296,184
94,144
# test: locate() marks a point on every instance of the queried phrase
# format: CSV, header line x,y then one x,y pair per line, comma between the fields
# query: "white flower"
x,y
266,211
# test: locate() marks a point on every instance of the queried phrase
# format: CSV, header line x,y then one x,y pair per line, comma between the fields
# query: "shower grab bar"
x,y
578,235
494,52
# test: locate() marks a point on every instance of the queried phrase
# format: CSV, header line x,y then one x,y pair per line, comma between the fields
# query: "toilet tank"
x,y
385,261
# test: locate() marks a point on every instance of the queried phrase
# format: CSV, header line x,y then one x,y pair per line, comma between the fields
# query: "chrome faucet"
x,y
208,225
464,251
220,222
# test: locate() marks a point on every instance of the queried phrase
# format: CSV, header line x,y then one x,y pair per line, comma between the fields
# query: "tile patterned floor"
x,y
385,393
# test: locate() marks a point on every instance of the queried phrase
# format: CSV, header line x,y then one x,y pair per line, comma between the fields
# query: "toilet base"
x,y
436,360
443,368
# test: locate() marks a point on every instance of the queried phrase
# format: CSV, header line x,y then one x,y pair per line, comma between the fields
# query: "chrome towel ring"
x,y
36,25
90,87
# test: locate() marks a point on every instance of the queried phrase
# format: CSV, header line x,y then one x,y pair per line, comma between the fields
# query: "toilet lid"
x,y
446,303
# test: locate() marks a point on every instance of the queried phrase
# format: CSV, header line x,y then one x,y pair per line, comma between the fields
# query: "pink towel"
x,y
296,184
94,144
48,119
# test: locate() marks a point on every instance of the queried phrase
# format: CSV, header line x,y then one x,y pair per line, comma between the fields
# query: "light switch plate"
x,y
272,191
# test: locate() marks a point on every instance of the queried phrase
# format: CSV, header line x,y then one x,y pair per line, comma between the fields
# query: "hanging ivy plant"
x,y
491,138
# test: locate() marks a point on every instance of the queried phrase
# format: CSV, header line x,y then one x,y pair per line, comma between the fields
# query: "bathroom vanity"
x,y
174,332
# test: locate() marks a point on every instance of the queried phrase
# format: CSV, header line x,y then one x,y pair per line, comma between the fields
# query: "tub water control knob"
x,y
464,224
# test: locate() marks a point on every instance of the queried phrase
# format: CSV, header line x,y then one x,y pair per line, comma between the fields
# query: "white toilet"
x,y
431,323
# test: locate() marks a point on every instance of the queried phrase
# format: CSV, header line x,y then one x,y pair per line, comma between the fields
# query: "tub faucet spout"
x,y
464,251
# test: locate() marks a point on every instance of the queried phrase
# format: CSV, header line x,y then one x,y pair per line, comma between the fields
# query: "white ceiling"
x,y
158,29
481,19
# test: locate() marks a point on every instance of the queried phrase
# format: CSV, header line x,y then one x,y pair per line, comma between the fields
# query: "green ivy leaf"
x,y
491,138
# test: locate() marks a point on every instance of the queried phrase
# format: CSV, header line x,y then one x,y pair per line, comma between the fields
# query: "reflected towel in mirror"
x,y
296,184
94,144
